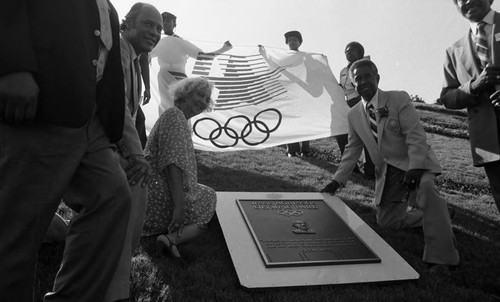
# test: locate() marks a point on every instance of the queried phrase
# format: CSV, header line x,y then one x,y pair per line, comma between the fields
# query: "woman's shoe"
x,y
165,246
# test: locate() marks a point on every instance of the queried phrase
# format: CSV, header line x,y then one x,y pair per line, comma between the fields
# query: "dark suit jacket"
x,y
130,144
58,42
461,67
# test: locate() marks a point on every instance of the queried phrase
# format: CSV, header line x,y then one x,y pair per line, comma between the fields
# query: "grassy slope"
x,y
207,273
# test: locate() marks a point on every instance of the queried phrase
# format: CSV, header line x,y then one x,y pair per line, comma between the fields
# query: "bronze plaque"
x,y
301,233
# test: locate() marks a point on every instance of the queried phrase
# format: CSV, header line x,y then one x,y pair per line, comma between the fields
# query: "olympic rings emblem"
x,y
233,134
289,213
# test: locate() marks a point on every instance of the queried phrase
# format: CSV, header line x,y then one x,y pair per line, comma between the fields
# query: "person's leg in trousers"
x,y
120,284
392,211
440,247
305,149
293,149
36,164
99,192
369,167
342,142
493,172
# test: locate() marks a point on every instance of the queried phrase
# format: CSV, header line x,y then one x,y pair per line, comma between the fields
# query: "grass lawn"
x,y
207,274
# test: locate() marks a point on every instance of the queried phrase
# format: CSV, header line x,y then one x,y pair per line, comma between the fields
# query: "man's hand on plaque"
x,y
331,188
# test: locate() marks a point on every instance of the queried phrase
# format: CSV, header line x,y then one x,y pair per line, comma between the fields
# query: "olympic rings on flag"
x,y
236,135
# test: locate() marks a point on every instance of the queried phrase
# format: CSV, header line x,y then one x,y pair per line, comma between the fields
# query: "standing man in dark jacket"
x,y
472,79
61,111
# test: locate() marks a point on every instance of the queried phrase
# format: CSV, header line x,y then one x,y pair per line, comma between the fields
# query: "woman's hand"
x,y
178,220
262,50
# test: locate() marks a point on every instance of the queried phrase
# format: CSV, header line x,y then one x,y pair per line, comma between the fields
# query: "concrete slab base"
x,y
252,272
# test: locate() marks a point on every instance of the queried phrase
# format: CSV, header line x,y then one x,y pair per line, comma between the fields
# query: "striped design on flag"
x,y
178,75
242,80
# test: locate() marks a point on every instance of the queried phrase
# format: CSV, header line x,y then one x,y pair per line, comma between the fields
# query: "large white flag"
x,y
263,97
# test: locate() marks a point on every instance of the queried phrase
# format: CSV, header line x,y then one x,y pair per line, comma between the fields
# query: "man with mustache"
x,y
141,30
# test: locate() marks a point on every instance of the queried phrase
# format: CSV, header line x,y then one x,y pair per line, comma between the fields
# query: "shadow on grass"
x,y
478,243
236,180
207,272
319,161
479,246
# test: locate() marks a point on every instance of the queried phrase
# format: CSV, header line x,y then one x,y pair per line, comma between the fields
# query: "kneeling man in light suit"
x,y
387,124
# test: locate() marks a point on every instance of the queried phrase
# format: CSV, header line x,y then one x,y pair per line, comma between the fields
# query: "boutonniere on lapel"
x,y
382,112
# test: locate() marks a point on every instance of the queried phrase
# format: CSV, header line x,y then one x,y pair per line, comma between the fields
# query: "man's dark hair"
x,y
131,16
293,33
363,63
358,46
168,16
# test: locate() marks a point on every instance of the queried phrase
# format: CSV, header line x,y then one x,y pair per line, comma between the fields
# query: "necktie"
x,y
372,119
482,44
137,80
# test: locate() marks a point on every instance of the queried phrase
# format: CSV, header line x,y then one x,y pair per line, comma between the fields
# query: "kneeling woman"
x,y
179,208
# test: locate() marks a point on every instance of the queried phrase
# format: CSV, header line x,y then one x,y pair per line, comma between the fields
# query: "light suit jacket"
x,y
402,142
130,144
461,67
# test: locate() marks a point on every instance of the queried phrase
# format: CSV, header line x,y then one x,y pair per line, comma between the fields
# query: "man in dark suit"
x,y
141,30
61,111
387,124
472,79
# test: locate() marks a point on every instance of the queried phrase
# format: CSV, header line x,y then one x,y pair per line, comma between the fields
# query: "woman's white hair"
x,y
185,88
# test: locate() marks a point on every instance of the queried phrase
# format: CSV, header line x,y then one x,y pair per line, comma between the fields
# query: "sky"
x,y
406,39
